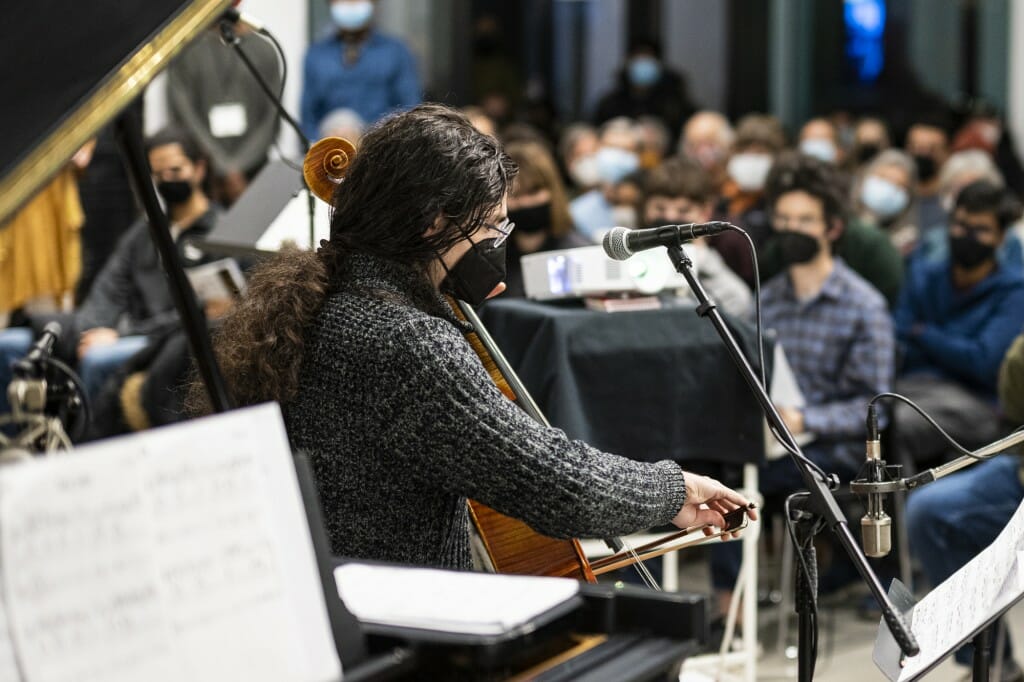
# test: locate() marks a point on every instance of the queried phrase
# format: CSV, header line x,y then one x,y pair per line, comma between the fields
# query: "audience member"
x,y
609,205
130,298
357,68
344,123
647,87
960,170
539,208
984,129
481,121
928,143
820,139
833,325
40,251
578,148
654,141
759,139
707,139
945,522
217,101
108,204
680,191
955,320
884,197
870,136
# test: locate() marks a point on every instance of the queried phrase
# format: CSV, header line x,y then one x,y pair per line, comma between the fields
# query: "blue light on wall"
x,y
865,26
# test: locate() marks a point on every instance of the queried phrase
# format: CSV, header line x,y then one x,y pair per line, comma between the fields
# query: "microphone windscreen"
x,y
614,243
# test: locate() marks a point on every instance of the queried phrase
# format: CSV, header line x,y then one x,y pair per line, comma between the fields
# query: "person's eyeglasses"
x,y
505,227
803,223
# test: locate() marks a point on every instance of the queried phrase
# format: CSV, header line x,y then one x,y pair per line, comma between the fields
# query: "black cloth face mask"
x,y
174,192
926,167
968,252
797,247
477,273
533,220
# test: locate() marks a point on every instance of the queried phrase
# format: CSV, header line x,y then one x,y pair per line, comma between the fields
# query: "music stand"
x,y
961,609
274,209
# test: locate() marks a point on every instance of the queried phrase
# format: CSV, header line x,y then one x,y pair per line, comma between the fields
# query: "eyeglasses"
x,y
505,227
802,224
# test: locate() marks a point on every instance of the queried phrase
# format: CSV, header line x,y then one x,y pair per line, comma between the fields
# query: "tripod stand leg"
x,y
982,644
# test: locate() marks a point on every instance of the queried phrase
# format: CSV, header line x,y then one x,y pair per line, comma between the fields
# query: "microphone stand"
x,y
821,501
983,640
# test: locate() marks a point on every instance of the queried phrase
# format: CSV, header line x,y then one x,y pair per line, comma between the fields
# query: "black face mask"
x,y
968,252
796,247
477,273
174,192
926,167
533,220
867,152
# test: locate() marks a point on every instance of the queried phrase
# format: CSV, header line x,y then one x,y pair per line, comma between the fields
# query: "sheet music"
x,y
292,225
180,553
451,601
8,664
952,611
81,588
784,392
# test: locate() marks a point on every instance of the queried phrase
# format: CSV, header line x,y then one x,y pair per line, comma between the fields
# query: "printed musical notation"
x,y
177,554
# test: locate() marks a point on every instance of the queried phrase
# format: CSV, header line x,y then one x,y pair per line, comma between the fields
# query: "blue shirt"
x,y
592,213
840,345
958,335
383,78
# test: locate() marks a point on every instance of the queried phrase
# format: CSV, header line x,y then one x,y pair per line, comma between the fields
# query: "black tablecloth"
x,y
651,385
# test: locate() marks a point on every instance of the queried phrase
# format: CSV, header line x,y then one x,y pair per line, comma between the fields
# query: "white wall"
x,y
695,42
1015,75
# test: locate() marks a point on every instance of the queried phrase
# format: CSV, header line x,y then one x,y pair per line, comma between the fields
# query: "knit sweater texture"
x,y
403,423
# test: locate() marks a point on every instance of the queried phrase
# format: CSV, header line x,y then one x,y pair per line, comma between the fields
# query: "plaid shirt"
x,y
841,347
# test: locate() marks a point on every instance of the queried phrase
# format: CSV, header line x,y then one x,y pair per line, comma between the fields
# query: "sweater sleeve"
x,y
469,439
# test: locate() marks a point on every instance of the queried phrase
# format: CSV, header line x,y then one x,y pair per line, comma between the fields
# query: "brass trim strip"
x,y
113,96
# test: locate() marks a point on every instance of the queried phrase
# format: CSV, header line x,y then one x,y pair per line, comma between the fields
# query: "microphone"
x,y
875,525
30,366
233,16
621,242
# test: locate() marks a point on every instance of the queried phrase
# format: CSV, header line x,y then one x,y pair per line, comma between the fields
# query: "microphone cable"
x,y
779,437
938,429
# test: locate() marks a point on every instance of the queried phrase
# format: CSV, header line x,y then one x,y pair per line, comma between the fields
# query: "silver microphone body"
x,y
621,242
875,525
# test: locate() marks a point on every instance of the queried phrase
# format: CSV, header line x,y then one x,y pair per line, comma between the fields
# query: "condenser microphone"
x,y
30,366
620,243
875,525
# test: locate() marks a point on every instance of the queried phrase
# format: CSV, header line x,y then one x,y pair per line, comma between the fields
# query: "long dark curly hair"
x,y
409,170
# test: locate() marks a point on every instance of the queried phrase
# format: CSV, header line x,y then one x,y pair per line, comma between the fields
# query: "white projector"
x,y
588,271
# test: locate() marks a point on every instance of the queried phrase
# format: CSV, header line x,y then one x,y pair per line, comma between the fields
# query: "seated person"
x,y
947,525
130,298
820,138
759,139
884,197
539,208
707,138
864,248
834,326
607,205
679,191
955,321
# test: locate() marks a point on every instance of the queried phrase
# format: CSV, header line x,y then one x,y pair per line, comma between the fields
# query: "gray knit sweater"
x,y
403,423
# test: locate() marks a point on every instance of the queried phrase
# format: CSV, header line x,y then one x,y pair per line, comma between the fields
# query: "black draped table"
x,y
651,384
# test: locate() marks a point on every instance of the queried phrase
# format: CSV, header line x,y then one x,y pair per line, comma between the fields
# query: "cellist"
x,y
379,386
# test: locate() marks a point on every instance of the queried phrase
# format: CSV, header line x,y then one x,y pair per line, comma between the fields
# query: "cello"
x,y
510,545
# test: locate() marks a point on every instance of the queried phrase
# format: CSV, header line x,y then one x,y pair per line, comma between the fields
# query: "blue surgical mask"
x,y
614,164
819,148
883,198
644,71
352,16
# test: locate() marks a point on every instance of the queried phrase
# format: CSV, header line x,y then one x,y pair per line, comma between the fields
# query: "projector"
x,y
588,271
